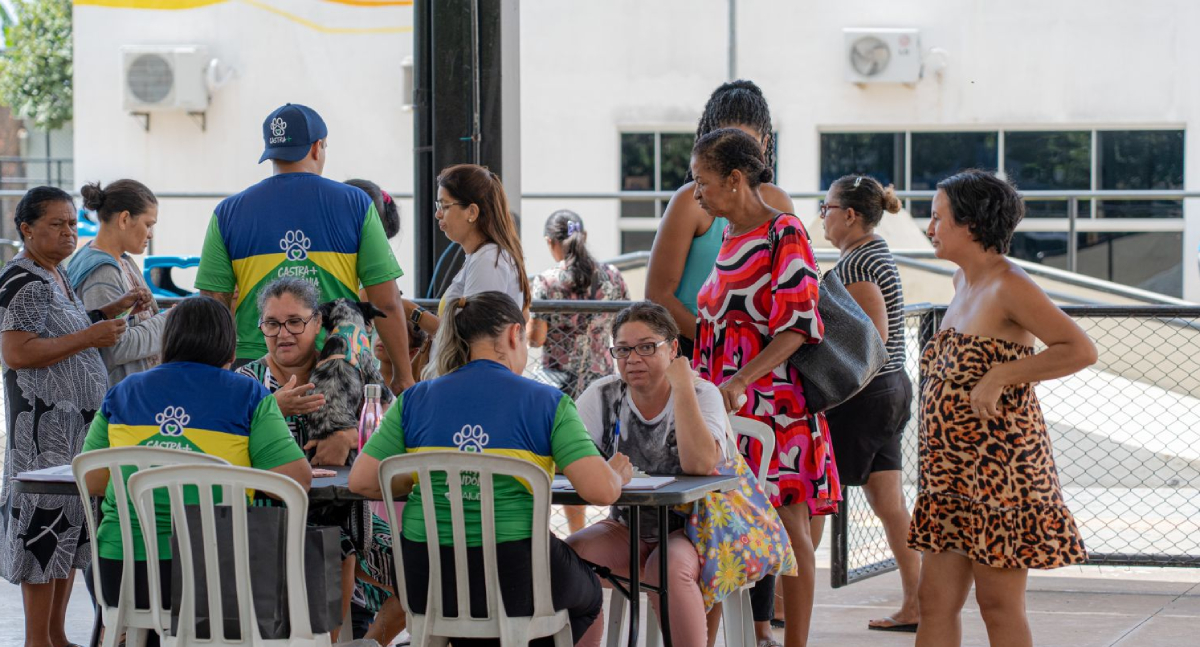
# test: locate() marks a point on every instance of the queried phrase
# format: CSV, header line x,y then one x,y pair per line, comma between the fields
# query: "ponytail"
x,y
465,321
566,227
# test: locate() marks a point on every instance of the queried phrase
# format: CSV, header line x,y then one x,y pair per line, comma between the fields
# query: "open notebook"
x,y
636,483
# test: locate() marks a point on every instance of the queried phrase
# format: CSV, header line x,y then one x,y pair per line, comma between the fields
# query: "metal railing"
x,y
1126,437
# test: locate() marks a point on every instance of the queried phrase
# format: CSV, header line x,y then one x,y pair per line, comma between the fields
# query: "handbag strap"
x,y
773,240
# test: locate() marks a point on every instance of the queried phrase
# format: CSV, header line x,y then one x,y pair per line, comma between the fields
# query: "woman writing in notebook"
x,y
667,422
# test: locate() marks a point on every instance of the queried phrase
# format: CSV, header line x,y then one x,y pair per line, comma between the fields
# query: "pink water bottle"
x,y
372,413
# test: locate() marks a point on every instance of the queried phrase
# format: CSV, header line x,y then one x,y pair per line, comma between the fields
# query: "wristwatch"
x,y
415,317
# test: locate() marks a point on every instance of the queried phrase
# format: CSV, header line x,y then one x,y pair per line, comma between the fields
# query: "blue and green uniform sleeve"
x,y
376,262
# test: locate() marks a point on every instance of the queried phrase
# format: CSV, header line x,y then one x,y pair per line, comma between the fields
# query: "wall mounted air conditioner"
x,y
165,78
882,55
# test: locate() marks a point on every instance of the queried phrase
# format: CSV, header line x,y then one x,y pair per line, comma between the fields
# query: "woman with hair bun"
x,y
758,306
866,430
101,271
689,237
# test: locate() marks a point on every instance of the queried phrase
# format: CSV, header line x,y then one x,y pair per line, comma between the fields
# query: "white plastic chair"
x,y
124,617
737,618
235,480
433,627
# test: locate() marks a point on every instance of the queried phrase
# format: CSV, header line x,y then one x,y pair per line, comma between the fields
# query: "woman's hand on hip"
x,y
985,397
733,392
294,400
104,334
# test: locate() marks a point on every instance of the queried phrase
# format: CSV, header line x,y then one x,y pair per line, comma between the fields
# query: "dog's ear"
x,y
369,311
326,310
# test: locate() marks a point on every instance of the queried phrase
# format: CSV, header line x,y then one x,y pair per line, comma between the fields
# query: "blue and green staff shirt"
x,y
293,224
191,407
482,407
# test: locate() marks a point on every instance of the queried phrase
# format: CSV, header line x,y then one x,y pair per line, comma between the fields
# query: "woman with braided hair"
x,y
688,238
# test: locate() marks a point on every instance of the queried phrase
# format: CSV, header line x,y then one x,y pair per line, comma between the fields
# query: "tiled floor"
x,y
1073,607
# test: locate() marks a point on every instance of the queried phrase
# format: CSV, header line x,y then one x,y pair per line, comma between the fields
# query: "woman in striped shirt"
x,y
866,430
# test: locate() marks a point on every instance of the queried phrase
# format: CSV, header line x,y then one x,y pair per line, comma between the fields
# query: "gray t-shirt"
x,y
649,443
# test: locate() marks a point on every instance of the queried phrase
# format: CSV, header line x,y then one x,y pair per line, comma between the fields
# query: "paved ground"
x,y
1073,607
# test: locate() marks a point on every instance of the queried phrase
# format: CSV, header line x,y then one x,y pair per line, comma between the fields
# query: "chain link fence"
x,y
1126,437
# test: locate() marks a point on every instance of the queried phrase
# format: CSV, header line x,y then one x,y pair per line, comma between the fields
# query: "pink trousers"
x,y
607,544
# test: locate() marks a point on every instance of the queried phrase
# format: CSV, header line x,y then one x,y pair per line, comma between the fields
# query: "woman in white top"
x,y
472,210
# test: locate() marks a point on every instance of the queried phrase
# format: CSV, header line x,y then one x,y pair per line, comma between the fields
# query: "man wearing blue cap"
x,y
297,223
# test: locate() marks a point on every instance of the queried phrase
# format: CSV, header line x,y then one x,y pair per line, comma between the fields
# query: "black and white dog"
x,y
346,363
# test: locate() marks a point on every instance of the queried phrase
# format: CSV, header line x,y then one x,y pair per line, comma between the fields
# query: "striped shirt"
x,y
873,262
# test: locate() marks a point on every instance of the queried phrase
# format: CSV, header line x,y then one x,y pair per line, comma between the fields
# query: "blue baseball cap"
x,y
290,131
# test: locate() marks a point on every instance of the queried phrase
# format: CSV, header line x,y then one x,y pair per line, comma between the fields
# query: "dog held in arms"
x,y
345,364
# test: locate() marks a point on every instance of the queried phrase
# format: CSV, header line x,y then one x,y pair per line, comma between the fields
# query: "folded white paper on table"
x,y
638,483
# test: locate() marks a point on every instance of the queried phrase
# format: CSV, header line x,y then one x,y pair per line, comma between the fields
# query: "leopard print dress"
x,y
990,490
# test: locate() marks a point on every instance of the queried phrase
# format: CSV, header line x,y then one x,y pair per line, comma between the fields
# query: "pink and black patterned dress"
x,y
765,283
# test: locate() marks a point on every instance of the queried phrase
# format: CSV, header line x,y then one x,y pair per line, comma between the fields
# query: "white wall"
x,y
352,79
592,69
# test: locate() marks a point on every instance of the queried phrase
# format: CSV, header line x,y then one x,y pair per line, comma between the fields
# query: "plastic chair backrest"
x,y
113,460
484,467
235,482
763,433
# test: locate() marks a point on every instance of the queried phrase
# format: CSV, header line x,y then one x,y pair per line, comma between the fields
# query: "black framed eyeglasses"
x,y
824,207
645,350
439,207
295,325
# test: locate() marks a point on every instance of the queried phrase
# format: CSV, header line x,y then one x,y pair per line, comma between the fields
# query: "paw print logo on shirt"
x,y
278,126
471,439
172,421
295,245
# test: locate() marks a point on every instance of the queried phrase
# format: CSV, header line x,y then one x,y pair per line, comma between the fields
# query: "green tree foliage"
x,y
35,71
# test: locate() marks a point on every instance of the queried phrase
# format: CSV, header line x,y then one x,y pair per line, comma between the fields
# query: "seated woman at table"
x,y
482,351
190,402
289,324
668,422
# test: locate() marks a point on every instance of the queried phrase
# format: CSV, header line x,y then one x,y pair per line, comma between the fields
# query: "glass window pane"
x,y
636,241
637,209
637,161
936,156
1140,160
676,155
1045,161
880,155
1047,248
1147,260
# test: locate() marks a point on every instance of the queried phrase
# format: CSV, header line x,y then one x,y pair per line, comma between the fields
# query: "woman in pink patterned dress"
x,y
758,306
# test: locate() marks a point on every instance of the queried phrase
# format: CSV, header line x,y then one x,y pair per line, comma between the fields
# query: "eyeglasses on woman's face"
x,y
645,350
443,207
294,325
825,208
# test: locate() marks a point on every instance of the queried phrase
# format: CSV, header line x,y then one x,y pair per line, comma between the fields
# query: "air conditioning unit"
x,y
165,78
882,55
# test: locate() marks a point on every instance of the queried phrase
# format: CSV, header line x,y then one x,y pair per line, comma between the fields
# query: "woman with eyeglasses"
x,y
290,323
667,421
472,210
867,429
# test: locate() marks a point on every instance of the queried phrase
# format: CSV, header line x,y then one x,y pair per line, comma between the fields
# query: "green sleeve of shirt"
x,y
97,435
388,440
376,262
570,440
215,273
271,442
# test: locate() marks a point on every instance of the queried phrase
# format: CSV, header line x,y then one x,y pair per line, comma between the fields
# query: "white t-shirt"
x,y
649,443
480,273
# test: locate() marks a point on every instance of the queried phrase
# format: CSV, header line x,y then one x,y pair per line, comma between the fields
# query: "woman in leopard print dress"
x,y
990,506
